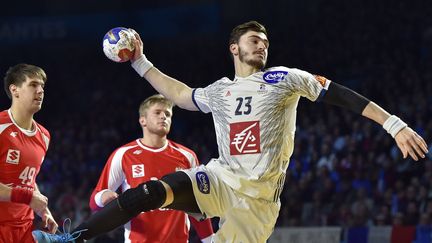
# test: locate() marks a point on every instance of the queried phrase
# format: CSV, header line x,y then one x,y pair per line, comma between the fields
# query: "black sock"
x,y
108,218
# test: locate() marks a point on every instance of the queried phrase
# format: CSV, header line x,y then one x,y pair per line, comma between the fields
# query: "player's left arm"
x,y
47,218
408,141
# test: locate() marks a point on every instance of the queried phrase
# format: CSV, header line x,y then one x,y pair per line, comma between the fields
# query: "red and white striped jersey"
x,y
135,163
21,155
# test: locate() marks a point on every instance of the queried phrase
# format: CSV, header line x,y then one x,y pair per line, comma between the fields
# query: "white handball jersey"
x,y
255,120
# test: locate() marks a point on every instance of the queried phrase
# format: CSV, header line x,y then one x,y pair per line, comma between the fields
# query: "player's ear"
x,y
14,90
234,49
142,121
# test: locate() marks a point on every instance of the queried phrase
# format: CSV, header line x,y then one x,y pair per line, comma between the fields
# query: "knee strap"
x,y
145,197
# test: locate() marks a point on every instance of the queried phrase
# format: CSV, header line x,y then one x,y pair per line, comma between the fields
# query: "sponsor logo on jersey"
x,y
138,151
137,171
13,156
13,134
273,77
203,182
228,93
245,138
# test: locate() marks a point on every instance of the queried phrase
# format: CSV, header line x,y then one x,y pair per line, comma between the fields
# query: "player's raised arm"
x,y
176,91
408,141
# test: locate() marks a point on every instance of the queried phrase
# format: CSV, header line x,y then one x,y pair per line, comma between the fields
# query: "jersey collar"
x,y
29,133
151,148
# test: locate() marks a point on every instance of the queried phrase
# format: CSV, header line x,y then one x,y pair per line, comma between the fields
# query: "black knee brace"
x,y
145,197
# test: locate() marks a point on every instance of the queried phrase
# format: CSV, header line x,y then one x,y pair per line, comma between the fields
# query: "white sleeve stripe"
x,y
189,156
4,126
116,174
46,140
98,198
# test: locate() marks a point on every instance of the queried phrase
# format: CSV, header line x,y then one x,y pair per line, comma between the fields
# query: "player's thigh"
x,y
249,221
212,195
181,186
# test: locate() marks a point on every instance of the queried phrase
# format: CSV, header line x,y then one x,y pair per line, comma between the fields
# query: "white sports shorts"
x,y
243,219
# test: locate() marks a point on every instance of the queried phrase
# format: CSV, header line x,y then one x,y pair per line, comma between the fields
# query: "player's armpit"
x,y
344,97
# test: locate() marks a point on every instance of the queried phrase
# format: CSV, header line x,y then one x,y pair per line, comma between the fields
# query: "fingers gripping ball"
x,y
118,44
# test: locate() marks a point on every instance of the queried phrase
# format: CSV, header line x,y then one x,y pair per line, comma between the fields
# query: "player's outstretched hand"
x,y
412,144
139,46
49,222
39,203
108,196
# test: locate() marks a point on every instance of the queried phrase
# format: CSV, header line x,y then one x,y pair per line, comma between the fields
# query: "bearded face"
x,y
252,49
257,59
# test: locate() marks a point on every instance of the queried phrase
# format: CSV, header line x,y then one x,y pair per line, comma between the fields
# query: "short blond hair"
x,y
154,99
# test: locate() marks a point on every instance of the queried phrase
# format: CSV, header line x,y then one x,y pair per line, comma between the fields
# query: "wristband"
x,y
142,65
21,195
393,125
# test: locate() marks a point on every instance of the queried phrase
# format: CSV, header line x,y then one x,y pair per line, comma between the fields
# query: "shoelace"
x,y
66,235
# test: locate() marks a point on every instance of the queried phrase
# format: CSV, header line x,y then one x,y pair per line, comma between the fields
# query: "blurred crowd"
x,y
345,170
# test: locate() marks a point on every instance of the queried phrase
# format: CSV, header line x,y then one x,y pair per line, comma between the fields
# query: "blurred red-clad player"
x,y
23,145
147,158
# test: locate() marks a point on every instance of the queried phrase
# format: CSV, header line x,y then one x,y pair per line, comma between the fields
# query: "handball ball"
x,y
118,44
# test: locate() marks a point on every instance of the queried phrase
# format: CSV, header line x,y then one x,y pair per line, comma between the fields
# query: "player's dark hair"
x,y
154,99
241,29
17,75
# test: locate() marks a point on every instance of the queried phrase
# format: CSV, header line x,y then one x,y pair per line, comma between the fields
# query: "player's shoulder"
x,y
276,68
223,80
287,70
4,117
127,146
42,129
178,145
184,152
282,72
125,149
180,148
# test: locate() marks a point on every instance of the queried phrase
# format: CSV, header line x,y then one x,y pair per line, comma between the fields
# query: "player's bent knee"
x,y
145,197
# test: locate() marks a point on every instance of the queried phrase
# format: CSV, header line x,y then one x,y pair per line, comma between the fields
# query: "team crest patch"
x,y
203,182
137,171
13,156
273,77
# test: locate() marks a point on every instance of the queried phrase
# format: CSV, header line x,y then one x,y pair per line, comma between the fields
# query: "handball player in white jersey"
x,y
254,114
